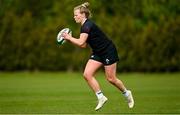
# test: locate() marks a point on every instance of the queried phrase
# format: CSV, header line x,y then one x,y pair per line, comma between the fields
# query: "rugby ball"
x,y
60,38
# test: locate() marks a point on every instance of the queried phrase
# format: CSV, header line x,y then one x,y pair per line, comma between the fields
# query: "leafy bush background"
x,y
146,33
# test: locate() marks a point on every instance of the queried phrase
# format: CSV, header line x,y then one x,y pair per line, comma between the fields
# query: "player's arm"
x,y
81,42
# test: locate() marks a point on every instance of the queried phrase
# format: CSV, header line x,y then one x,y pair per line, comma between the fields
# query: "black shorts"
x,y
108,57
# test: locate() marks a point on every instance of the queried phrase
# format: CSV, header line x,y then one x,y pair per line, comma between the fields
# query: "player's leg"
x,y
110,71
91,67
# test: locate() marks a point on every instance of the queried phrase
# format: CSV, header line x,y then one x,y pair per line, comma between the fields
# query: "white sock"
x,y
126,93
99,94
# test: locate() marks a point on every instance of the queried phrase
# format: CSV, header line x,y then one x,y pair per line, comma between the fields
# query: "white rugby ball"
x,y
60,38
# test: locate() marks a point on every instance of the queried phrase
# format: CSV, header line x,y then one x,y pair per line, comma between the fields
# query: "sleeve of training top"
x,y
86,28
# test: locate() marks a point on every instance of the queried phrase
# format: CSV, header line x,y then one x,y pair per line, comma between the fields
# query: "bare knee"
x,y
111,79
87,76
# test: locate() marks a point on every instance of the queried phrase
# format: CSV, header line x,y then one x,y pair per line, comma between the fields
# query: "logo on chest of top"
x,y
87,29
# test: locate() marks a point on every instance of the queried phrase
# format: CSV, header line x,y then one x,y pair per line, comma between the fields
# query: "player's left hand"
x,y
66,36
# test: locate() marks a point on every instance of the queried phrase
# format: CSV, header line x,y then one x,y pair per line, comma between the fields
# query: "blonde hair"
x,y
84,8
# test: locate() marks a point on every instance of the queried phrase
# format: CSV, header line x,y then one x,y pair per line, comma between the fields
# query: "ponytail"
x,y
84,8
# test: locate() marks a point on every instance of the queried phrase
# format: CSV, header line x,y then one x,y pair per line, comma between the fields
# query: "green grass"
x,y
68,93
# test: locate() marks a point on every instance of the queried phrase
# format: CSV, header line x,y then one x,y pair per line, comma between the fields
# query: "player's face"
x,y
78,17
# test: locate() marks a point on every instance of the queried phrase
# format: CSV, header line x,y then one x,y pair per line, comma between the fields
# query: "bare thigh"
x,y
110,70
91,67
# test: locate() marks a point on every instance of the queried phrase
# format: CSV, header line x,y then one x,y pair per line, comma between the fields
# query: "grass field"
x,y
68,93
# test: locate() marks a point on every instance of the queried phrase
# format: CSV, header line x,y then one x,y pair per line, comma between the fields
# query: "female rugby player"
x,y
103,54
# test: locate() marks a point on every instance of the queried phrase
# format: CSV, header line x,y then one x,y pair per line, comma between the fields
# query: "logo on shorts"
x,y
107,61
92,56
